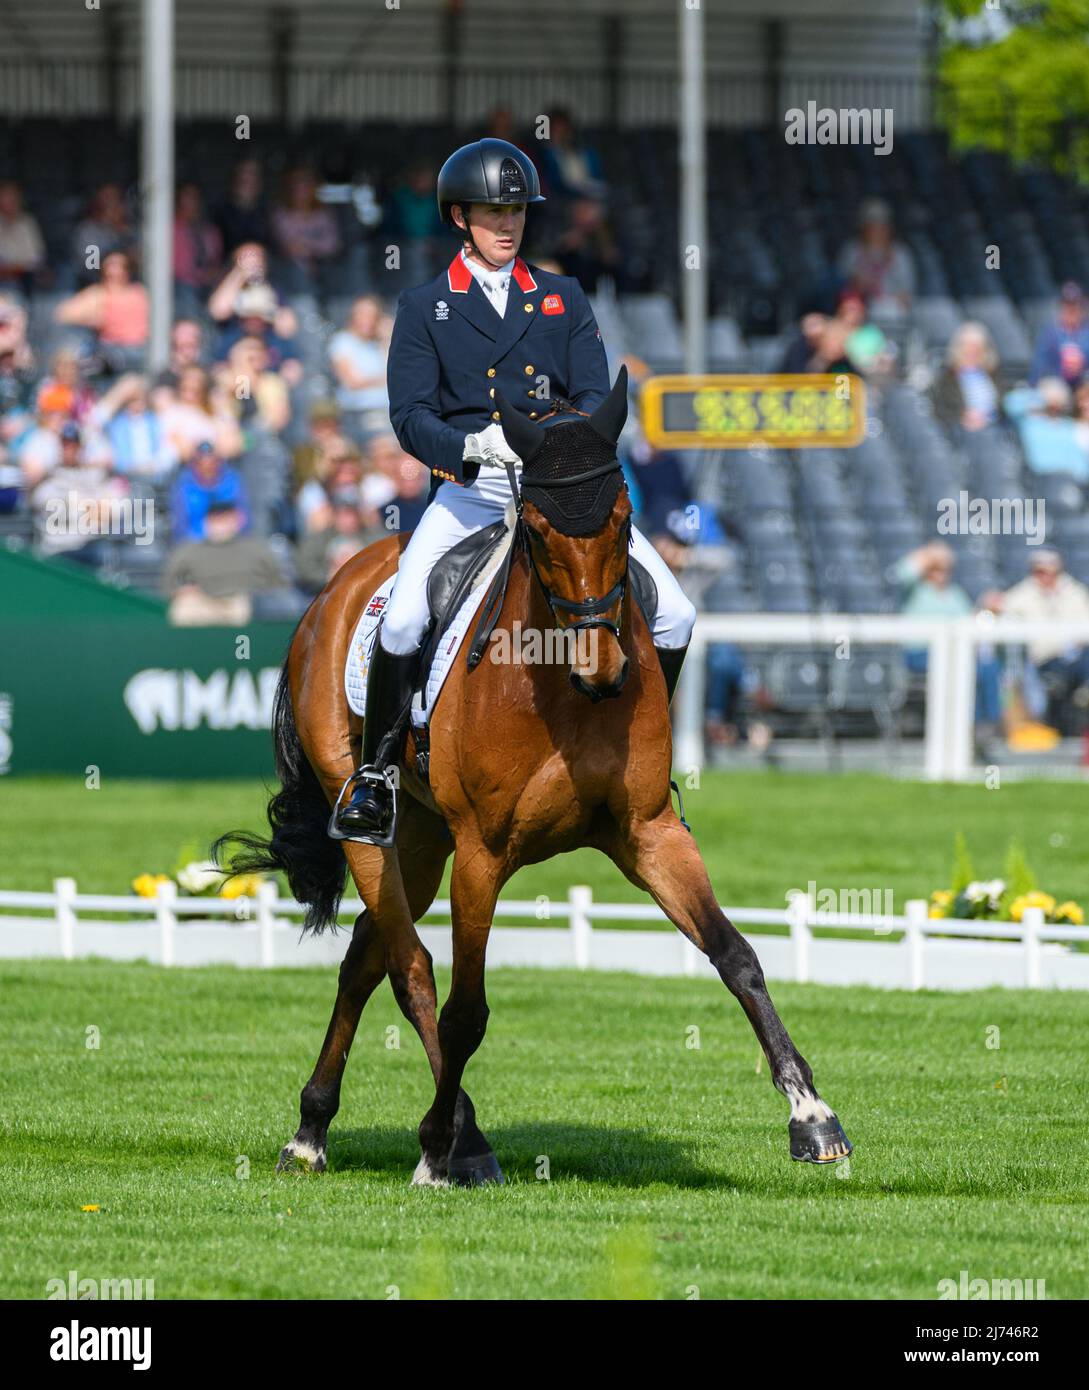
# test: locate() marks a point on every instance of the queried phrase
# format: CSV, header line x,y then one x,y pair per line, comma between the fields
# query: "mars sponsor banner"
x,y
138,699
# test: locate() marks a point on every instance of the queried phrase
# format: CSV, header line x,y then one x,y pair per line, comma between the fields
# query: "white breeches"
x,y
455,512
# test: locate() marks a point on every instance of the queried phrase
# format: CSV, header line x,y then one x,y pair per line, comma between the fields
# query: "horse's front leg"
x,y
452,1147
661,857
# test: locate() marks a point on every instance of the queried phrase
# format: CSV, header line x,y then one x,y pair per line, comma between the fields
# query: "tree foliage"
x,y
1014,77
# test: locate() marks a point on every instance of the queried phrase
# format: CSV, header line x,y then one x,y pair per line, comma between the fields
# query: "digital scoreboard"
x,y
743,412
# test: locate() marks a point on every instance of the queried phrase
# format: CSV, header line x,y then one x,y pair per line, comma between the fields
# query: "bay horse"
x,y
527,761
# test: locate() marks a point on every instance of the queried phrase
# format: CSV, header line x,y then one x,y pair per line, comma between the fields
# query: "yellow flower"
x,y
1070,912
936,912
1034,899
942,897
244,886
147,885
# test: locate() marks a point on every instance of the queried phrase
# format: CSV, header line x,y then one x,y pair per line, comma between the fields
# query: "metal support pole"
x,y
157,174
693,250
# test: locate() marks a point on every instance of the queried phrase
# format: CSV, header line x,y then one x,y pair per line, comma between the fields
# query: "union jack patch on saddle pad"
x,y
377,603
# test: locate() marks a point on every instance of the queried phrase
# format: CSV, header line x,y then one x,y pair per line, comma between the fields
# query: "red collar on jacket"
x,y
459,276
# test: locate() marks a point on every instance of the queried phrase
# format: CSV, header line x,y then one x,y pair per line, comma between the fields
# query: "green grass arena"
x,y
638,1166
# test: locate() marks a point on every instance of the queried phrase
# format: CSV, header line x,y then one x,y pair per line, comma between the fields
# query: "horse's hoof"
x,y
475,1172
818,1141
299,1157
426,1176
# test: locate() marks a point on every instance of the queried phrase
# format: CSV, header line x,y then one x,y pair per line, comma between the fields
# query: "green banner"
x,y
96,678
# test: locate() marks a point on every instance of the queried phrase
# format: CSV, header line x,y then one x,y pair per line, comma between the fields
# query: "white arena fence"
x,y
911,951
952,645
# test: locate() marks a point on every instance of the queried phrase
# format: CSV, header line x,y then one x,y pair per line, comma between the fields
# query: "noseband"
x,y
589,610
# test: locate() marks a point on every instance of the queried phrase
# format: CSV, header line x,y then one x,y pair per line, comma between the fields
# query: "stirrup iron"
x,y
372,777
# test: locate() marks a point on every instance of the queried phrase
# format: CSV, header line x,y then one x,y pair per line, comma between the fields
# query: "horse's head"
x,y
576,517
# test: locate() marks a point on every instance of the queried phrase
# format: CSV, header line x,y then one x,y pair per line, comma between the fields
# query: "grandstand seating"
x,y
820,529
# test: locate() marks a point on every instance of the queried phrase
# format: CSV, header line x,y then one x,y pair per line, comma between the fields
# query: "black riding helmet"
x,y
487,171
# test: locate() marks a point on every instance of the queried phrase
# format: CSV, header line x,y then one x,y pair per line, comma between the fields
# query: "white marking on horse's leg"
x,y
424,1177
805,1106
305,1153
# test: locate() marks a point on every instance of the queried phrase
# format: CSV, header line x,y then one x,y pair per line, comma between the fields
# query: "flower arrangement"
x,y
199,878
998,899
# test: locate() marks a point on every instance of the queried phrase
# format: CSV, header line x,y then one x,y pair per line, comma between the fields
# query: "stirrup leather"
x,y
371,776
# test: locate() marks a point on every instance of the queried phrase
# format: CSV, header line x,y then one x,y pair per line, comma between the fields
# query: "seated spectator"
x,y
187,349
586,248
11,483
322,552
203,480
1050,595
314,457
198,246
243,215
105,229
64,392
304,232
116,310
382,462
258,396
22,249
199,413
1052,440
248,271
926,577
569,168
876,265
357,355
415,212
37,449
255,317
965,394
1062,349
343,473
16,359
724,722
217,578
409,501
660,493
138,443
72,505
805,345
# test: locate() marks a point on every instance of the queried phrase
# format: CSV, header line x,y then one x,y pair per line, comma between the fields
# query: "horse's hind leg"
x,y
361,972
661,857
422,848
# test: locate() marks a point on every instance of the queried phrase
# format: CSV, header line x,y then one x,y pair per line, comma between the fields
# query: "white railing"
x,y
950,676
264,931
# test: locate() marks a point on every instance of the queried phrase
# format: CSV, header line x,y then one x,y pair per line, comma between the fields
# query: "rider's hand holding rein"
x,y
489,448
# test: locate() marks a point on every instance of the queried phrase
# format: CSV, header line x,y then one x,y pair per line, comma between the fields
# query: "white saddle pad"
x,y
362,643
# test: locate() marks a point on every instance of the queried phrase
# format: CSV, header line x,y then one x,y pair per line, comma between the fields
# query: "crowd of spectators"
x,y
271,470
267,473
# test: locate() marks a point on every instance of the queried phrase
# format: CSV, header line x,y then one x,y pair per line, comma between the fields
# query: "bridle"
x,y
589,611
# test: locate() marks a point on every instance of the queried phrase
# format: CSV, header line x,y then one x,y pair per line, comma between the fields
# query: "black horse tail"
x,y
298,815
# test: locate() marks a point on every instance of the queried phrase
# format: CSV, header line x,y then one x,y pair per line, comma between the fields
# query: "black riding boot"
x,y
672,659
389,690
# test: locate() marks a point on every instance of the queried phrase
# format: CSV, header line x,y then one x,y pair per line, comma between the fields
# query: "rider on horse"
x,y
489,324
